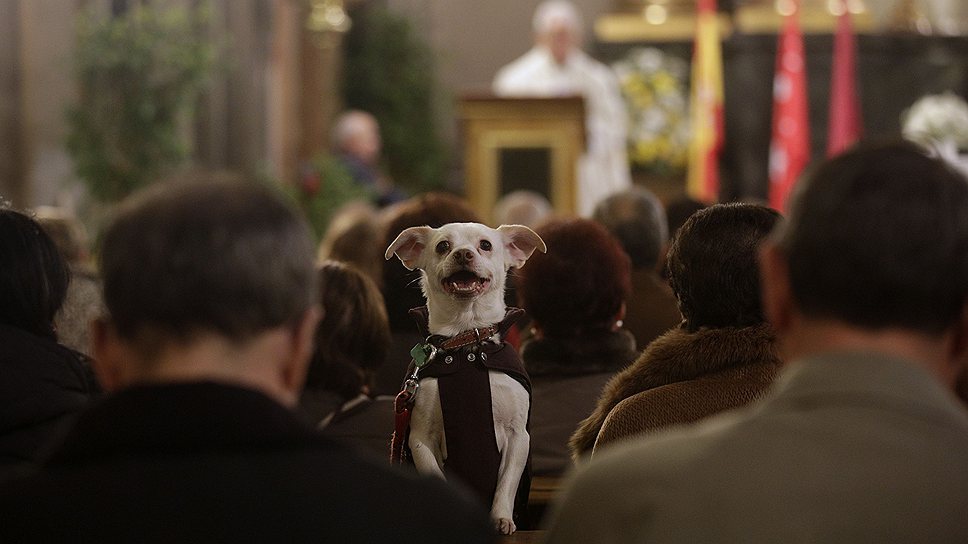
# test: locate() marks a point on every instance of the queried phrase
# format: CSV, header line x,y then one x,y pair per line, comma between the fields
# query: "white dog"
x,y
464,268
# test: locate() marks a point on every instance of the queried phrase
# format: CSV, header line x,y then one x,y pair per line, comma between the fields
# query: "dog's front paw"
x,y
505,526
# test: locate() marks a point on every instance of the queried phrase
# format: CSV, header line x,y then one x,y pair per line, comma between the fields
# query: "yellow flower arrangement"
x,y
654,86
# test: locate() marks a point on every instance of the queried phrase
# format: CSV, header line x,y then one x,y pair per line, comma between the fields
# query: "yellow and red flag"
x,y
706,107
790,141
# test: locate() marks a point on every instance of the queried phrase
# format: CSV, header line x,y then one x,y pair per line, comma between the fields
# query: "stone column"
x,y
12,182
46,88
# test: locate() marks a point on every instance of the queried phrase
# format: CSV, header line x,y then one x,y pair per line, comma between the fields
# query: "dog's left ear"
x,y
519,243
409,245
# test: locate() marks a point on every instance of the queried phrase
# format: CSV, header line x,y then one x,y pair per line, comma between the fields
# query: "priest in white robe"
x,y
556,66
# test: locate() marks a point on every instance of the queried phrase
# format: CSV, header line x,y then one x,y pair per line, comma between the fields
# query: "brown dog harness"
x,y
461,364
422,355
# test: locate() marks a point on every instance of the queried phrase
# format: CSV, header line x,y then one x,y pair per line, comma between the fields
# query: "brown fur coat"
x,y
677,356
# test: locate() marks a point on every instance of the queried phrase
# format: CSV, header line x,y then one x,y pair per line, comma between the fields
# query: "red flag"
x,y
790,143
845,119
706,107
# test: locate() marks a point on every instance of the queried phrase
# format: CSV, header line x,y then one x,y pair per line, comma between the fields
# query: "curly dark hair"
x,y
580,284
712,265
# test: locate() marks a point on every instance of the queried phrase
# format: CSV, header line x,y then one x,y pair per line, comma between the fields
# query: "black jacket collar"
x,y
191,417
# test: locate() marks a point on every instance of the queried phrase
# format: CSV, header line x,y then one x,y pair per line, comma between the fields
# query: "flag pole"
x,y
706,106
790,139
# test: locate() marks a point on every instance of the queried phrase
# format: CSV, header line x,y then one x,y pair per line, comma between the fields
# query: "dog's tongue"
x,y
464,283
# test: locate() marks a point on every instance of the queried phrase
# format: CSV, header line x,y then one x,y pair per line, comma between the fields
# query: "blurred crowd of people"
x,y
240,378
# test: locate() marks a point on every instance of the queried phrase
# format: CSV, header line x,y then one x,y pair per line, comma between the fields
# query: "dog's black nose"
x,y
464,256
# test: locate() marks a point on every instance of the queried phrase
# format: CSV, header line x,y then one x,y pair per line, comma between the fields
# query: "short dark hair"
x,y
579,285
212,254
713,265
33,274
878,237
637,219
401,287
353,338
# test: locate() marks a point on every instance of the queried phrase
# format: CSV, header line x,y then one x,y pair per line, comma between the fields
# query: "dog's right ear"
x,y
409,245
520,242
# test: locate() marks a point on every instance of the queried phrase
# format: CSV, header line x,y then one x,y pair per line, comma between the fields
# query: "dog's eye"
x,y
443,247
486,245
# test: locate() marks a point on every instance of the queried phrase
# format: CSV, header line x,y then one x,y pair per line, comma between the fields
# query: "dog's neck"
x,y
449,317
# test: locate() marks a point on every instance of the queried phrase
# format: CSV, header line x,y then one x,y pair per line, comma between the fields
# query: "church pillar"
x,y
12,182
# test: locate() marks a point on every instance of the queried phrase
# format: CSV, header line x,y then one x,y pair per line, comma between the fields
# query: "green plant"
x,y
138,75
324,187
389,72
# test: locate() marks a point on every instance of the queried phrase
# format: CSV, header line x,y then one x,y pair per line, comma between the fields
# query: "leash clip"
x,y
410,387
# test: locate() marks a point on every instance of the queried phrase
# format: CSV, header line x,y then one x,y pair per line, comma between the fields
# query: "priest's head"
x,y
557,26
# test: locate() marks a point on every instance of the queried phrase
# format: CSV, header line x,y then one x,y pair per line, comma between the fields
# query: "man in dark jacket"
x,y
210,289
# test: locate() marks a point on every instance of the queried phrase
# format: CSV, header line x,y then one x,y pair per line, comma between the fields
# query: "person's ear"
x,y
956,369
959,342
663,260
959,358
775,291
302,344
619,317
108,354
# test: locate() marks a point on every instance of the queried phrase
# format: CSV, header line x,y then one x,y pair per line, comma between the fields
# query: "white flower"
x,y
648,59
656,95
937,118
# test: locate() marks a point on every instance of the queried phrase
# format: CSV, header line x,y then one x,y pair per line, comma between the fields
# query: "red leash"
x,y
402,407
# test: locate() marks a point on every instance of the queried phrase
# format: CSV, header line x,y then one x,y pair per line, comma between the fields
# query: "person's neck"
x,y
251,364
808,337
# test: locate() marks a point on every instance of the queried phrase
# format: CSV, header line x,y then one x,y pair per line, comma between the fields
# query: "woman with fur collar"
x,y
712,267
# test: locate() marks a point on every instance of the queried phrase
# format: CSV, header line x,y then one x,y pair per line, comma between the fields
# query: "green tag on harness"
x,y
422,354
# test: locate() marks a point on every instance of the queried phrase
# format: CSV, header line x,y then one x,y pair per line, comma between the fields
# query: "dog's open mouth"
x,y
465,284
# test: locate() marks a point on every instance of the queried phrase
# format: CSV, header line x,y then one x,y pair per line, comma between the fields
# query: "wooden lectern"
x,y
522,143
